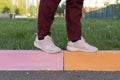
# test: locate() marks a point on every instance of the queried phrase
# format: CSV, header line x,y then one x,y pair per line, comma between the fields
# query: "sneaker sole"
x,y
77,49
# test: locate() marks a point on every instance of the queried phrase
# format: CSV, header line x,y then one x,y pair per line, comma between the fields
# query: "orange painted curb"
x,y
100,61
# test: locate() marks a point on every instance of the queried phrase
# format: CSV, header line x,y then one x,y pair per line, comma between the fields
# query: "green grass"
x,y
19,33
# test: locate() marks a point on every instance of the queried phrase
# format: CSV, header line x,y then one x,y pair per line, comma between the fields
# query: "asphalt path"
x,y
59,75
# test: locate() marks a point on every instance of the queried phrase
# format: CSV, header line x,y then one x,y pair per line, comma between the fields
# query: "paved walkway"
x,y
58,75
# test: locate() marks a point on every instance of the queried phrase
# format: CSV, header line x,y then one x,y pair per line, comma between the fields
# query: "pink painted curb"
x,y
30,60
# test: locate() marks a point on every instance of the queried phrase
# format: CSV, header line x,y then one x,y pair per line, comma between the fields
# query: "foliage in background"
x,y
20,6
5,3
32,10
6,10
116,11
17,11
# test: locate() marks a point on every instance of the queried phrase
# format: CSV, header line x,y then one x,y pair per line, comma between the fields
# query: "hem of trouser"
x,y
74,38
42,36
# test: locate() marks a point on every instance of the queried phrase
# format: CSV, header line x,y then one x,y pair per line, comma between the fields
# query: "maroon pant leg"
x,y
46,14
73,17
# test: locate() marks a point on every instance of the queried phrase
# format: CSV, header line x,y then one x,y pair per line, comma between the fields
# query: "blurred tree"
x,y
5,3
38,1
17,11
21,6
6,10
32,10
116,10
106,3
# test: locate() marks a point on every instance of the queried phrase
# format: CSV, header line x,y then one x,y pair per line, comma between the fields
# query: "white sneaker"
x,y
46,45
81,45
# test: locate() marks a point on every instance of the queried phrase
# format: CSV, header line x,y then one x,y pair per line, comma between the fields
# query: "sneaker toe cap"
x,y
93,49
52,49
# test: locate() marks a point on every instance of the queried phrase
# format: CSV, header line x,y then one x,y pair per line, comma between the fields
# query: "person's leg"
x,y
73,17
46,14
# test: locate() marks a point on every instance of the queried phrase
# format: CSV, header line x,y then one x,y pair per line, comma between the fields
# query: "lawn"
x,y
19,34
